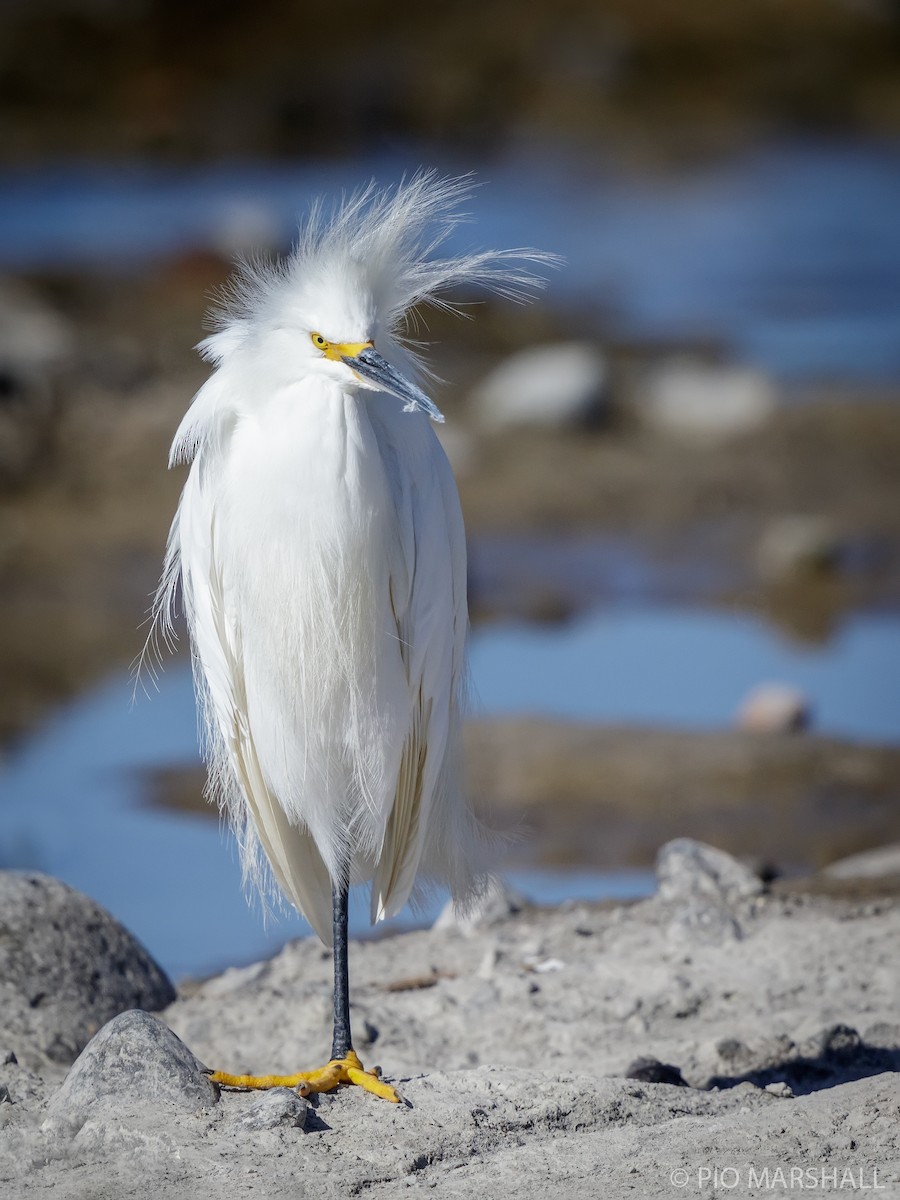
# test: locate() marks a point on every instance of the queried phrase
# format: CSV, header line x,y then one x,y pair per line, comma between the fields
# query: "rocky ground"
x,y
707,1041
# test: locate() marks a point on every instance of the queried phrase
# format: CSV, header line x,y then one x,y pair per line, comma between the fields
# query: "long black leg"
x,y
342,1040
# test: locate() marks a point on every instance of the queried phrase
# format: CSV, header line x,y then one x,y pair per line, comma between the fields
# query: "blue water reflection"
x,y
689,668
75,807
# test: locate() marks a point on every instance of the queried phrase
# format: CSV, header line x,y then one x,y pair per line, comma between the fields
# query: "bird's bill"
x,y
370,365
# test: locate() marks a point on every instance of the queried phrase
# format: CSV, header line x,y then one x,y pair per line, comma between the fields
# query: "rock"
x,y
651,1070
705,889
705,402
794,545
32,335
66,967
34,343
779,1089
563,385
274,1109
834,1043
134,1061
689,870
870,864
775,708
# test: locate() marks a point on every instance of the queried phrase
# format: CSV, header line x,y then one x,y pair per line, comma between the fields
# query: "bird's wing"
x,y
427,585
235,770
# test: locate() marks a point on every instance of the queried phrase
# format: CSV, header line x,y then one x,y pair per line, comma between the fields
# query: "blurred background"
x,y
680,469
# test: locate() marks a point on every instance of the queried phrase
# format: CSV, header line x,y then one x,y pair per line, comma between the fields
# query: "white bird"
x,y
320,551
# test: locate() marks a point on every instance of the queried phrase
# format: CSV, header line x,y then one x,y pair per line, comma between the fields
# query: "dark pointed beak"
x,y
370,365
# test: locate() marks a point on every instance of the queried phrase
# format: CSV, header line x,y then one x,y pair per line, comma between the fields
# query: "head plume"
x,y
370,259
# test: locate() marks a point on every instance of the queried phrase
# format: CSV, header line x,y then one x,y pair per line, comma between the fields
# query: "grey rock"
x,y
780,1088
883,1035
797,544
66,967
32,335
882,863
34,343
134,1061
651,1070
274,1109
705,889
766,1054
706,402
690,870
564,384
834,1042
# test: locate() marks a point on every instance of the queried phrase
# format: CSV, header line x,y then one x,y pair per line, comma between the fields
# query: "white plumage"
x,y
320,550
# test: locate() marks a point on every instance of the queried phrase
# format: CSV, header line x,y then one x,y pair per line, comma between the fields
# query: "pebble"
x,y
35,343
881,863
706,402
775,708
779,1089
279,1107
563,385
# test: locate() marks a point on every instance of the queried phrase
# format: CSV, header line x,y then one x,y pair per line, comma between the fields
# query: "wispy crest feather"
x,y
385,242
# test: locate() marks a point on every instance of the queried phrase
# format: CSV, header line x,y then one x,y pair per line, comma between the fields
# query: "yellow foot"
x,y
340,1070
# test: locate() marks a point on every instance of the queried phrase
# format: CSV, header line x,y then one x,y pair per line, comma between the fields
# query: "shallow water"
x,y
689,668
76,806
789,254
75,801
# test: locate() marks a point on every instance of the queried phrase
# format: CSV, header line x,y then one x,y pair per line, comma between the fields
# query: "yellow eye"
x,y
318,341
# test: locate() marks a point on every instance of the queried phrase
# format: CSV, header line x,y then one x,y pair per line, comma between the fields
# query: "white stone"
x,y
32,335
869,864
561,384
706,402
779,1089
775,708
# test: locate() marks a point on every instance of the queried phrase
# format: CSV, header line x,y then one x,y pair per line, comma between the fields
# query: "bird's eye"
x,y
318,341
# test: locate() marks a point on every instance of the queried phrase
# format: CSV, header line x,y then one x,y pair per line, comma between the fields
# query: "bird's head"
x,y
339,304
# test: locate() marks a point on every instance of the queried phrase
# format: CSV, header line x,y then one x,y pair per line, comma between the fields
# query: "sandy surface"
x,y
511,1041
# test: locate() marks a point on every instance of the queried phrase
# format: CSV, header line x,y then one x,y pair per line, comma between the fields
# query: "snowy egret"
x,y
320,550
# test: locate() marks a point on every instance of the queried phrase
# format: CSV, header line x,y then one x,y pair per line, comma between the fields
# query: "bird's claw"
x,y
346,1070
